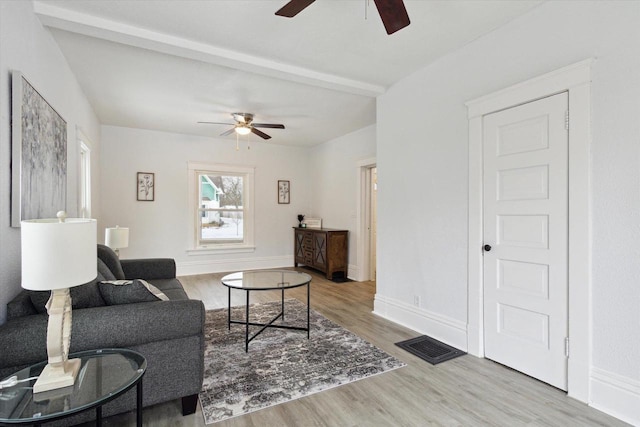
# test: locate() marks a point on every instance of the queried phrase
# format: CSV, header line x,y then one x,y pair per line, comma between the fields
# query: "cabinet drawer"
x,y
308,257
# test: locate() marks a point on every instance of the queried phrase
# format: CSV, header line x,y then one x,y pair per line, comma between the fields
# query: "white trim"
x,y
188,268
84,180
221,249
363,244
442,328
576,80
353,272
616,395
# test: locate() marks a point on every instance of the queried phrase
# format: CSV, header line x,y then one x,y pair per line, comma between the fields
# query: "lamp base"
x,y
57,375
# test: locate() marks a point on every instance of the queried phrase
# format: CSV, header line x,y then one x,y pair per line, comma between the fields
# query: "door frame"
x,y
363,238
574,79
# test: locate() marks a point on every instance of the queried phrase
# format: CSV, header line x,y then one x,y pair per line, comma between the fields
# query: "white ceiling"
x,y
165,65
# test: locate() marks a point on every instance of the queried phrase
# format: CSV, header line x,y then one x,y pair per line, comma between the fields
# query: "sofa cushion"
x,y
104,271
109,257
83,296
116,292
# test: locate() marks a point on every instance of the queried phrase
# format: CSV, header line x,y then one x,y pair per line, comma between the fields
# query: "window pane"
x,y
222,226
220,191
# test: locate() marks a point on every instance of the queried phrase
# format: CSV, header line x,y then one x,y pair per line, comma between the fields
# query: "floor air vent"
x,y
429,349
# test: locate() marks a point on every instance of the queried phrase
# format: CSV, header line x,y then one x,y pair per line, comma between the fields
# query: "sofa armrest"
x,y
149,268
120,326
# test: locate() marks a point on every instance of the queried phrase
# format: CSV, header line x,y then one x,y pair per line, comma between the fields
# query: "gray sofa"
x,y
169,334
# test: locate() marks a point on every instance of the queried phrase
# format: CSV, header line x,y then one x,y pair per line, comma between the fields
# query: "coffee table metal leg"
x,y
139,403
282,305
99,416
246,334
229,308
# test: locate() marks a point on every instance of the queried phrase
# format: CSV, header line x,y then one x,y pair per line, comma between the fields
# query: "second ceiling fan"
x,y
392,12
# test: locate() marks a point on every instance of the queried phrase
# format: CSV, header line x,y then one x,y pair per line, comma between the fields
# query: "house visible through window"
x,y
222,210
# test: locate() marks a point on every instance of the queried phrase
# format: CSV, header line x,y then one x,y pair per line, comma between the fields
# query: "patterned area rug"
x,y
281,365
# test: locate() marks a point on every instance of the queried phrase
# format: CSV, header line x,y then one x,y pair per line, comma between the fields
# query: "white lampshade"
x,y
58,255
116,237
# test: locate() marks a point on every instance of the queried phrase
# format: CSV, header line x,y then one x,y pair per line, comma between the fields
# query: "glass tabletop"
x,y
103,375
266,279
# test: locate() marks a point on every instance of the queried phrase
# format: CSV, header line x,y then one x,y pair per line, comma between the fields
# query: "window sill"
x,y
221,249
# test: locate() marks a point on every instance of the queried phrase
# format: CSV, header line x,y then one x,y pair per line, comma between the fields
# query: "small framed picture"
x,y
146,184
284,192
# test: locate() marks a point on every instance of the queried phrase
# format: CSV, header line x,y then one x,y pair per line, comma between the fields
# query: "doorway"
x,y
373,231
366,220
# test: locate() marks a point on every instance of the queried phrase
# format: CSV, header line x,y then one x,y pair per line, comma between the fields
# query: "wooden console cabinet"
x,y
324,249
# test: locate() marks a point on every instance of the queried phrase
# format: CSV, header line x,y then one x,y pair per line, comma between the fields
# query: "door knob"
x,y
487,247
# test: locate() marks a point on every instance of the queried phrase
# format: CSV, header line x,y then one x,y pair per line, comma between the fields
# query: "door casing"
x,y
576,80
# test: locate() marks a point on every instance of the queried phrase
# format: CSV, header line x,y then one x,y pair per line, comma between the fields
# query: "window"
x,y
221,204
84,175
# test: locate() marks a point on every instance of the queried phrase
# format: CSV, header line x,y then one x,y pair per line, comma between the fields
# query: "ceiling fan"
x,y
244,125
393,13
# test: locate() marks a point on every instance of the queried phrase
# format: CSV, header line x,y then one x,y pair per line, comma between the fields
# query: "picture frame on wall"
x,y
284,192
146,185
38,154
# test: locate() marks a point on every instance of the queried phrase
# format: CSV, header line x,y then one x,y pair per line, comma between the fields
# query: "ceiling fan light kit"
x,y
244,125
392,12
243,130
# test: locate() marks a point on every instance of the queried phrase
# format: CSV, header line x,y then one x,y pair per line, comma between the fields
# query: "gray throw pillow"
x,y
83,296
116,292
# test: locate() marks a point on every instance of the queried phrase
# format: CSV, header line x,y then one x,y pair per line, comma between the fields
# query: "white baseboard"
x,y
189,268
442,328
615,395
353,272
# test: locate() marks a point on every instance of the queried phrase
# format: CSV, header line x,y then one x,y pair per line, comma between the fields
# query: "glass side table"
x,y
104,375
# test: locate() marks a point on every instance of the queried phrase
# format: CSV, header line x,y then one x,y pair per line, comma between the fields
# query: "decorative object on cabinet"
x,y
146,182
313,222
324,249
39,155
300,219
284,192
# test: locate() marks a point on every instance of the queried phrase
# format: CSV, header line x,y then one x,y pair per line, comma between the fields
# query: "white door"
x,y
525,223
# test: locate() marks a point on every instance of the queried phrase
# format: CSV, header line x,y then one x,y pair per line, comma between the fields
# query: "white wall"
x,y
334,185
160,228
29,48
423,252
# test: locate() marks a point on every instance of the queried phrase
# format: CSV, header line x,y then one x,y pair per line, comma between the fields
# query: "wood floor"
x,y
466,391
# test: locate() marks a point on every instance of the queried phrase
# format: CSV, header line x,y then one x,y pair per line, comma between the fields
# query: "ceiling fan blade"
x,y
229,132
267,125
217,123
260,133
393,13
293,8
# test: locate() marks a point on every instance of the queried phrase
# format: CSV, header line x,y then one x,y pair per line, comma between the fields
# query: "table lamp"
x,y
58,254
116,238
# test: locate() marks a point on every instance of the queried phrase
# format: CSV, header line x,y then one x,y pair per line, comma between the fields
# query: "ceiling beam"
x,y
93,26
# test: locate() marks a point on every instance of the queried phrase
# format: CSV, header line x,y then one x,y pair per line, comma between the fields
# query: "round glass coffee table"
x,y
265,280
103,376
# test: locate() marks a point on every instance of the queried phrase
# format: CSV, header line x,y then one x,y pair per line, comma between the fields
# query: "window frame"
x,y
84,176
197,247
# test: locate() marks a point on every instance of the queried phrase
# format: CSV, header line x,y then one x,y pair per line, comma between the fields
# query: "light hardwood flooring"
x,y
466,391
